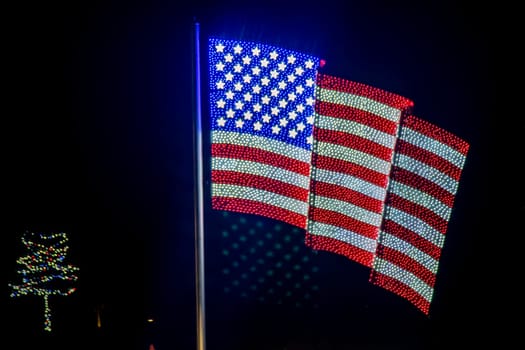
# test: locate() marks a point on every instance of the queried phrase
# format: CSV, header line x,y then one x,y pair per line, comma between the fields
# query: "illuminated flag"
x,y
262,116
425,175
355,134
317,152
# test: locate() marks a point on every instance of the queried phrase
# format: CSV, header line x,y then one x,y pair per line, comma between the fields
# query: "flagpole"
x,y
199,199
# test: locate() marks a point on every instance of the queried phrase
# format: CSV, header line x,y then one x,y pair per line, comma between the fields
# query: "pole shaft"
x,y
199,217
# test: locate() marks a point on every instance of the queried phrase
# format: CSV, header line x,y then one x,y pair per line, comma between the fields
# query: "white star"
x,y
266,118
310,101
283,122
239,123
274,92
275,111
237,86
256,51
282,85
273,55
310,139
283,103
291,59
274,74
275,129
228,58
291,78
265,100
256,89
246,60
300,108
299,71
299,89
292,115
219,66
265,81
248,115
257,107
291,96
221,103
310,120
281,66
300,126
247,78
229,95
228,76
256,70
247,97
309,64
221,121
237,68
219,47
310,82
237,49
230,113
257,126
239,105
265,62
220,85
292,133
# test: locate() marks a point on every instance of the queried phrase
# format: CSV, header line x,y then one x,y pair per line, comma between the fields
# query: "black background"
x,y
98,143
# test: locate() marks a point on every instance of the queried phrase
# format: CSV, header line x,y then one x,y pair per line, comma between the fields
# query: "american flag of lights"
x,y
425,176
342,160
355,134
262,117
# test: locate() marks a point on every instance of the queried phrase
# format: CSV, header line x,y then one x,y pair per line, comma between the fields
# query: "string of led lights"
x,y
43,270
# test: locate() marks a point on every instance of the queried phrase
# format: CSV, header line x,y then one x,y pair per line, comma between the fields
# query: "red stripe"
x,y
418,211
259,156
259,182
382,96
411,237
349,168
400,289
429,158
407,263
253,207
418,182
436,133
335,246
332,109
347,195
355,142
340,220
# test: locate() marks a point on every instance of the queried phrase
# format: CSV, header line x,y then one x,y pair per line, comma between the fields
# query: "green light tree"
x,y
43,271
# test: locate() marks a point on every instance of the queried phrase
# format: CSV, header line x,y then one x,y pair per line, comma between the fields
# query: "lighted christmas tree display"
x,y
43,270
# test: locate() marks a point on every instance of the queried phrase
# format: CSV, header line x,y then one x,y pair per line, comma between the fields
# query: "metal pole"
x,y
199,199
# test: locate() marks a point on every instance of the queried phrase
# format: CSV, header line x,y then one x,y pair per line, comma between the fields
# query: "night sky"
x,y
98,143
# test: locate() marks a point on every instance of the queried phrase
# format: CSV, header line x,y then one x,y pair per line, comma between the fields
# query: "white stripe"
x,y
359,102
406,277
352,155
432,145
416,225
408,249
422,198
432,174
343,235
350,182
264,143
347,209
255,168
265,197
355,128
